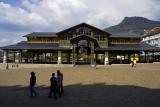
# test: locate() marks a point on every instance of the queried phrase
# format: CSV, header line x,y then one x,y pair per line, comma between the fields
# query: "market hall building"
x,y
80,44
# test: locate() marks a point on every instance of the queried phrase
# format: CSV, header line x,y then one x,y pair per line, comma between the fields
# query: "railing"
x,y
65,43
103,44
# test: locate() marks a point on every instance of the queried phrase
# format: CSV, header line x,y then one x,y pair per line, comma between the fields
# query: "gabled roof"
x,y
41,34
54,34
84,24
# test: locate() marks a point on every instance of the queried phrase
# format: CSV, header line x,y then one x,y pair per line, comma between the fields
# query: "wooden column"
x,y
96,58
21,52
32,57
73,55
153,56
77,58
14,56
68,57
106,58
145,57
38,56
19,56
59,57
92,54
45,57
129,57
76,53
27,56
5,56
139,57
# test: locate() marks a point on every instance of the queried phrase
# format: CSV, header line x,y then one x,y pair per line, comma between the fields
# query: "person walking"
x,y
32,85
53,86
60,90
134,61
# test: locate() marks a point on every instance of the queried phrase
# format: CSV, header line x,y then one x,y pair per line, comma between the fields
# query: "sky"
x,y
20,17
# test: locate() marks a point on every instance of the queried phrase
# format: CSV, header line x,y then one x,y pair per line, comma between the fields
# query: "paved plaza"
x,y
105,86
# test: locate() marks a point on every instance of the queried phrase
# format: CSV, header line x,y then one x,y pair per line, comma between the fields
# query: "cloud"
x,y
18,17
7,38
56,15
59,12
113,11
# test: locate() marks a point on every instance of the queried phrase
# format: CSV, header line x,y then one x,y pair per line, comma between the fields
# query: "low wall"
x,y
19,66
156,62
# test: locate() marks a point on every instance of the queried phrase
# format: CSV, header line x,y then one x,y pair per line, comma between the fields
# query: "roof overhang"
x,y
34,46
130,47
41,34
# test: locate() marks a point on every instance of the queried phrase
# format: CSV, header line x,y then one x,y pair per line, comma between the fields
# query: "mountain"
x,y
133,24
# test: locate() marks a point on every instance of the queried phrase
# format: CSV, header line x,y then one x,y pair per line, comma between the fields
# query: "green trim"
x,y
64,43
103,44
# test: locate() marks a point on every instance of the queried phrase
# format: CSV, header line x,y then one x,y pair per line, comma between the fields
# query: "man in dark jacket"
x,y
60,82
32,85
53,86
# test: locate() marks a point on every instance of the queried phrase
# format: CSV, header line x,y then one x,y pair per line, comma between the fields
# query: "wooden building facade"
x,y
80,44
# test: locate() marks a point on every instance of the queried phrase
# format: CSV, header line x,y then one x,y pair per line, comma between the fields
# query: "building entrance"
x,y
83,50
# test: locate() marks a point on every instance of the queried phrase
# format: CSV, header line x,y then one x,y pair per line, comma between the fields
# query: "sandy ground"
x,y
110,86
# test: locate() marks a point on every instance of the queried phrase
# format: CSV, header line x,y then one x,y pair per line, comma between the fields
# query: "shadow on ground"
x,y
78,95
